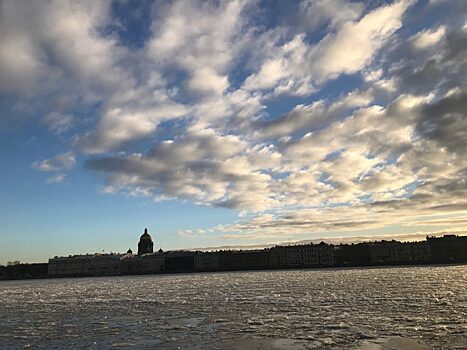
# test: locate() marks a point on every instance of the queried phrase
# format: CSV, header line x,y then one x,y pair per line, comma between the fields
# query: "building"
x,y
145,245
355,254
23,271
76,265
105,265
396,253
179,261
110,264
206,261
85,265
244,259
307,255
446,249
151,263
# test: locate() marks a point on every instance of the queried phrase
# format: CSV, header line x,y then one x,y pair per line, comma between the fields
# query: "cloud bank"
x,y
193,114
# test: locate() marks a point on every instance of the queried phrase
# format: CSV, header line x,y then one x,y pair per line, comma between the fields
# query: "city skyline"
x,y
448,249
223,124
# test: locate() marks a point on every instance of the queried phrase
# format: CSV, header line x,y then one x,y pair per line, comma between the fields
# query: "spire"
x,y
146,230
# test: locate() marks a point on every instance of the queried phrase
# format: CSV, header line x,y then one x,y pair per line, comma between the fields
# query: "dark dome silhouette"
x,y
145,236
145,245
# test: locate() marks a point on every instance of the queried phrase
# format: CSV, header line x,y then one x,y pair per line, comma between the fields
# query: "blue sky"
x,y
238,123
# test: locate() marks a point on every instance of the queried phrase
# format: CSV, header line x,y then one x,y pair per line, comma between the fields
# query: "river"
x,y
369,308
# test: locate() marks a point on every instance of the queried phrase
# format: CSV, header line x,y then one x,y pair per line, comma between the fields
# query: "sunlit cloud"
x,y
333,117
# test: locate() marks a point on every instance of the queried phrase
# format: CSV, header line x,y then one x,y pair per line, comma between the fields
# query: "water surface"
x,y
418,307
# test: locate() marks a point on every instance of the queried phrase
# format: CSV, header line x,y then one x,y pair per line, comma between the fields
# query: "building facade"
x,y
447,249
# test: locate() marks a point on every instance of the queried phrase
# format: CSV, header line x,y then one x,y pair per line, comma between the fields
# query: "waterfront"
x,y
298,309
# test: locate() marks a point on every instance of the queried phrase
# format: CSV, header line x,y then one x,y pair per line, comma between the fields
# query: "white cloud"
x,y
427,38
354,45
61,162
206,80
134,105
297,67
29,40
196,35
268,76
373,75
285,69
118,126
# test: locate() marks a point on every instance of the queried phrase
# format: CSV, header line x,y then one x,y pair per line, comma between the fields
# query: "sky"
x,y
229,123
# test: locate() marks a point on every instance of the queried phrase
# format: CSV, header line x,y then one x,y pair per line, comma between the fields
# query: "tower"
x,y
145,244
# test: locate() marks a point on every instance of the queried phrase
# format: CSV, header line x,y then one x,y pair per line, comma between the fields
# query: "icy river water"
x,y
374,308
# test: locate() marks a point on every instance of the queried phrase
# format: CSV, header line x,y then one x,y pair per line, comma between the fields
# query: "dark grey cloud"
x,y
201,166
325,224
445,121
441,66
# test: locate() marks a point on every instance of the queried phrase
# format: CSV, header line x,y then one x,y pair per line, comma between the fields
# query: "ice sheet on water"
x,y
394,343
309,309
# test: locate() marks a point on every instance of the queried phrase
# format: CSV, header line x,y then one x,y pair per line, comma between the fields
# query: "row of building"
x,y
446,249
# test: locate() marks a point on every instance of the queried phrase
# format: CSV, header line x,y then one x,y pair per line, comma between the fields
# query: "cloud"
x,y
204,49
201,166
437,69
61,162
441,222
403,237
133,88
355,44
312,117
201,51
374,158
445,121
57,178
119,126
334,12
182,39
29,42
57,122
221,107
206,80
268,76
427,38
297,67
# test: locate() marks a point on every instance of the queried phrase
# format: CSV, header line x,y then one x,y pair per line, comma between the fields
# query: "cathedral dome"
x,y
145,245
145,236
